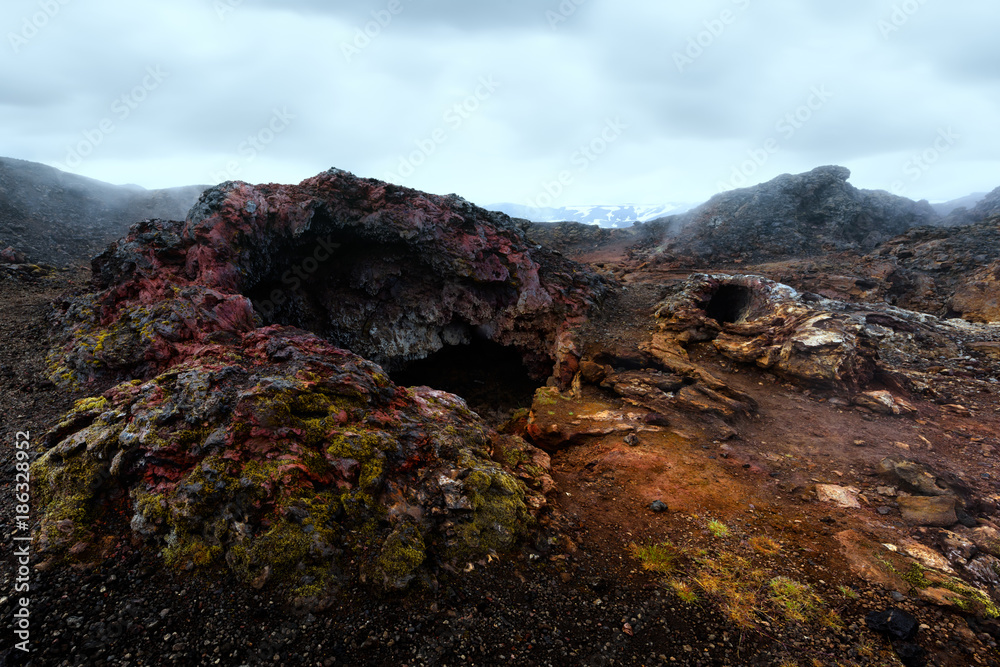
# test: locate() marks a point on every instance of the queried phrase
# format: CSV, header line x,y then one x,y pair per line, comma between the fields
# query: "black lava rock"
x,y
894,623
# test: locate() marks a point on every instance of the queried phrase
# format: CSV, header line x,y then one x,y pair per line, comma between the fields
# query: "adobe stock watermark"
x,y
121,109
454,117
703,40
787,127
255,144
582,158
22,540
364,35
223,8
35,23
901,14
917,165
563,12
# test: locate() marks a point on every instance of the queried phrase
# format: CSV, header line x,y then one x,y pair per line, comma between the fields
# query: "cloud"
x,y
701,87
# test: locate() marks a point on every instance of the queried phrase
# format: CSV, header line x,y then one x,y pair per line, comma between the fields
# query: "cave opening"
x,y
490,377
729,304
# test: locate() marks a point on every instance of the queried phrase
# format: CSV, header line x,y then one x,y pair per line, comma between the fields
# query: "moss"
x,y
499,515
282,548
95,404
546,396
402,553
915,576
973,597
368,449
193,550
152,507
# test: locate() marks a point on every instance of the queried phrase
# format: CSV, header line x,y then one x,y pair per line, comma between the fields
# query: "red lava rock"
x,y
273,448
387,272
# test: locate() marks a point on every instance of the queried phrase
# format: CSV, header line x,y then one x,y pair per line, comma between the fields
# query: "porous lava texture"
x,y
273,449
390,273
754,320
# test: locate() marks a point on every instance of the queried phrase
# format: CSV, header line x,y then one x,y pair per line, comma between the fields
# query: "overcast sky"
x,y
524,101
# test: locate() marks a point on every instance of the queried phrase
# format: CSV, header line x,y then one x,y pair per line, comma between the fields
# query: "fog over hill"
x,y
58,218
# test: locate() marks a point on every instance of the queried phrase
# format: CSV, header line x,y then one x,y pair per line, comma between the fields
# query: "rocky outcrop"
x,y
58,218
988,207
286,458
753,320
389,273
793,216
272,448
952,271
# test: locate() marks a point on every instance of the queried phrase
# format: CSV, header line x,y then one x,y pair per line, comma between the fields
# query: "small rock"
x,y
838,495
928,510
894,623
658,506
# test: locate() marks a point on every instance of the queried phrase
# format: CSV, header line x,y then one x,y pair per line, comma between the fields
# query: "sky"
x,y
535,102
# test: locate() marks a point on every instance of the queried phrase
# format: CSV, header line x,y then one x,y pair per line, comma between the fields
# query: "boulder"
x,y
390,273
838,495
235,436
928,510
754,320
293,462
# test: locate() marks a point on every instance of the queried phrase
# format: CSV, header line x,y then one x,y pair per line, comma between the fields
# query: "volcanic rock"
x,y
928,510
753,320
390,273
286,458
794,216
294,461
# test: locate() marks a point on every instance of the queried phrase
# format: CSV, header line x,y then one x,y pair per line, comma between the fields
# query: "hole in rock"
x,y
729,304
490,377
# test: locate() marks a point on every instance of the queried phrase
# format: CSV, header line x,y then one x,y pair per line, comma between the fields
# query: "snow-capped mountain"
x,y
604,216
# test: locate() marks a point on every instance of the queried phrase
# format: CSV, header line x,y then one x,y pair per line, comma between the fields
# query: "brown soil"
x,y
575,597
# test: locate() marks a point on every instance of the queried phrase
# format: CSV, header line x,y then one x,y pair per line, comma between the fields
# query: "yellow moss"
x,y
193,550
282,547
402,553
368,449
96,404
499,513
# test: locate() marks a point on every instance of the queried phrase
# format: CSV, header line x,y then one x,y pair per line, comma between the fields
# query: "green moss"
x,y
282,548
95,404
915,576
368,449
973,598
402,553
499,515
190,549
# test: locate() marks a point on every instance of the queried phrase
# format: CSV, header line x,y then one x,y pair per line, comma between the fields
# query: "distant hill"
x,y
794,216
608,216
58,218
968,201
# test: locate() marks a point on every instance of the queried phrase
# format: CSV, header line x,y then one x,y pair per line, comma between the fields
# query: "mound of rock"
x,y
273,449
794,216
387,272
953,271
285,457
754,320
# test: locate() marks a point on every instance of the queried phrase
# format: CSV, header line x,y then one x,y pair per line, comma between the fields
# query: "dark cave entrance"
x,y
357,282
730,304
490,377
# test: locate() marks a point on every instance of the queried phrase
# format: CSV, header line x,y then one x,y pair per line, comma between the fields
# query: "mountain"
x,y
59,218
795,216
603,215
968,201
